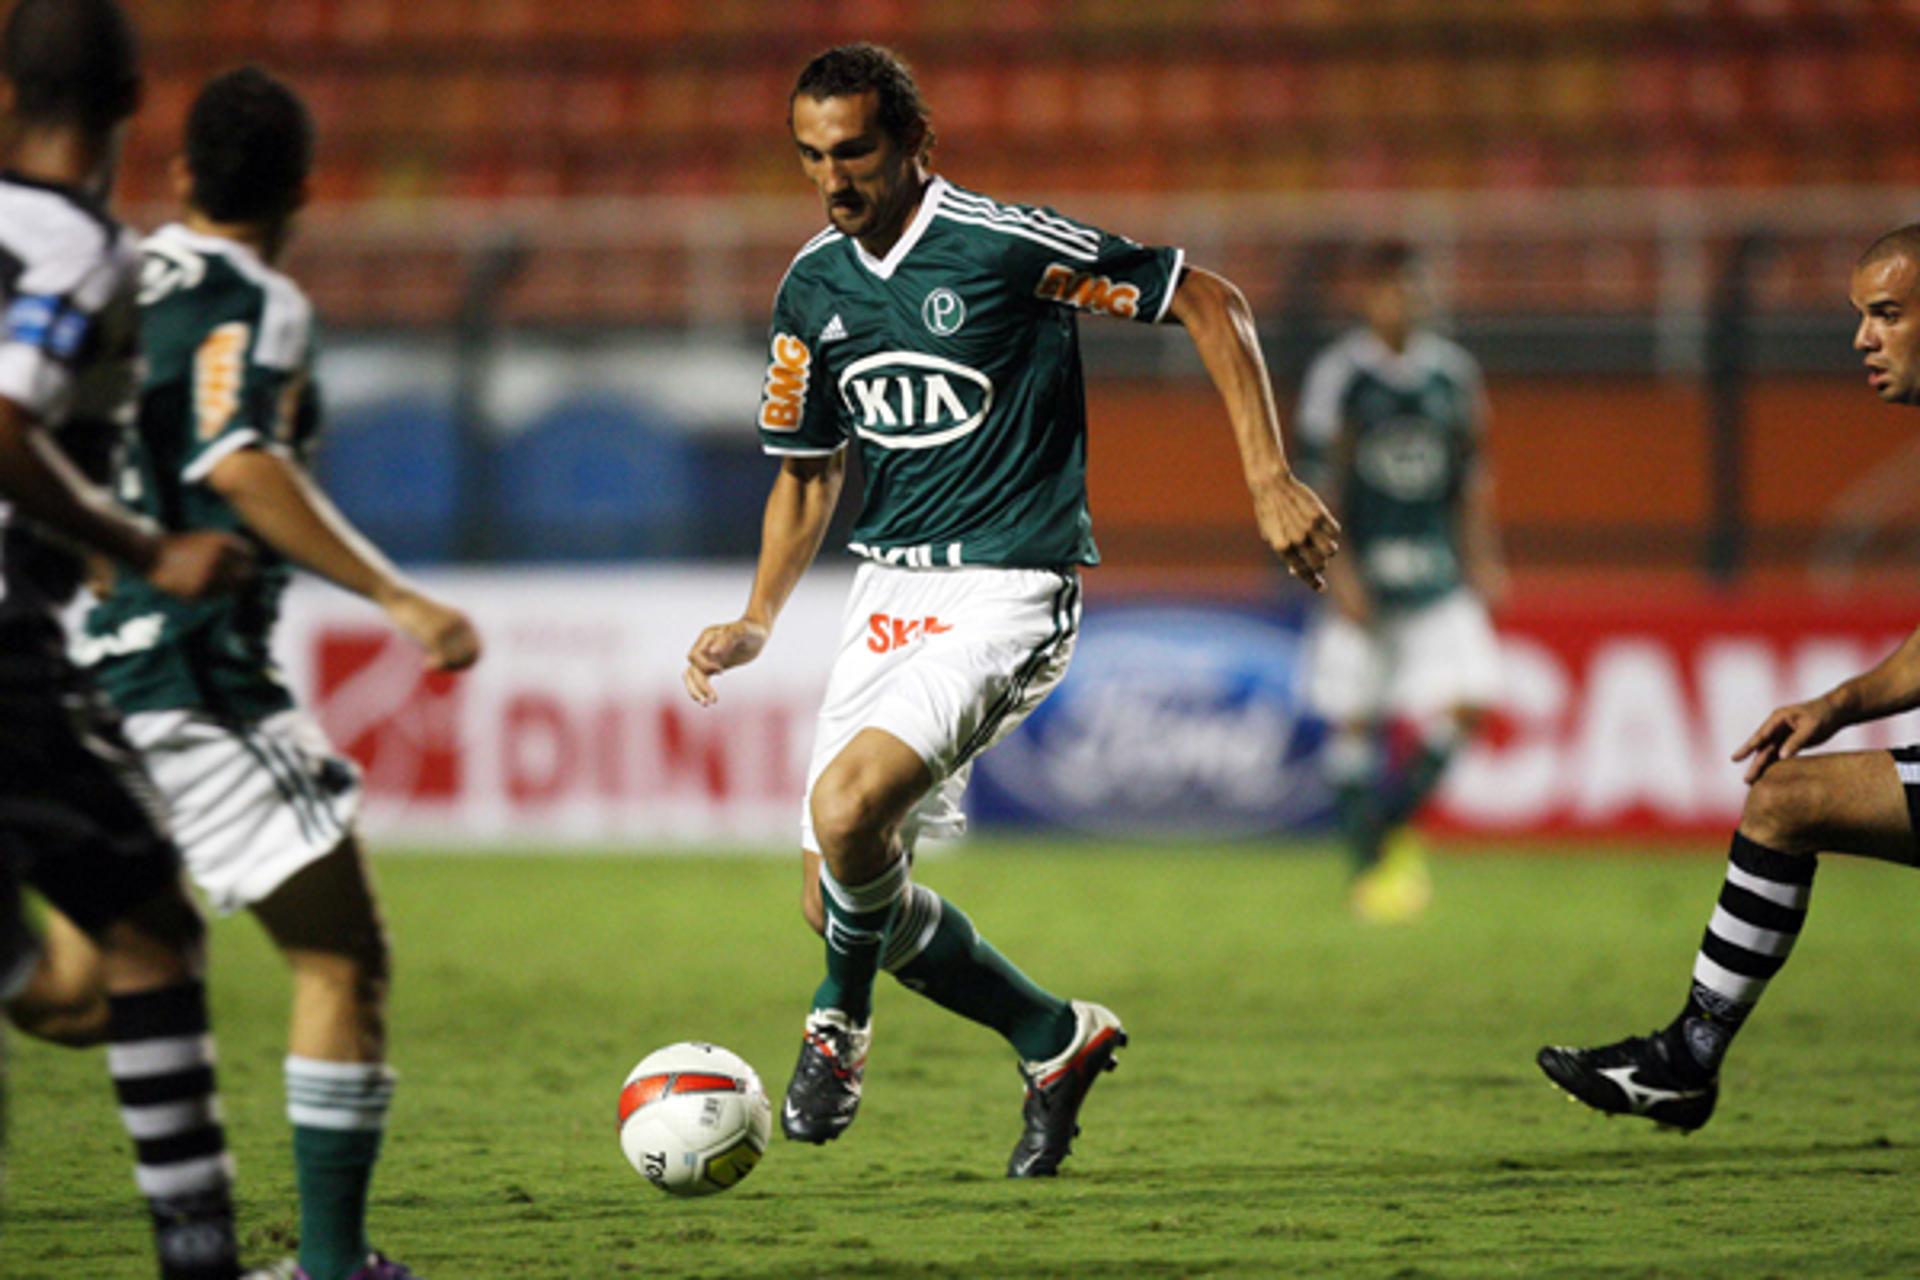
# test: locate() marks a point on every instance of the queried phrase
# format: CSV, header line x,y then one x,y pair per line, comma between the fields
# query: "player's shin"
x,y
160,1054
934,949
1762,906
1353,771
1421,775
857,920
339,1112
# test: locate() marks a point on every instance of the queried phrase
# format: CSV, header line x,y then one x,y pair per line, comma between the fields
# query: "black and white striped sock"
x,y
1762,906
160,1054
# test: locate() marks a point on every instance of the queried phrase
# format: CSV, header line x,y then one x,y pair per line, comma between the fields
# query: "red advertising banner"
x,y
1620,713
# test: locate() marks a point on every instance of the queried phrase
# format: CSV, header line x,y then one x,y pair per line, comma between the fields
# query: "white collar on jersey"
x,y
1404,368
885,267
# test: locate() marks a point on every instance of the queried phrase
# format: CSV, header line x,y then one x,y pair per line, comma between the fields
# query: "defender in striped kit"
x,y
933,329
1798,806
262,806
79,821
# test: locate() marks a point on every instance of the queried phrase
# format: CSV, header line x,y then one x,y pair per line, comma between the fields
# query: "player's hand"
x,y
731,644
1298,526
200,564
1786,732
446,634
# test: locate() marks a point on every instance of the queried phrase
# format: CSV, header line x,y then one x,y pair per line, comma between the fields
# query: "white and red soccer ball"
x,y
694,1119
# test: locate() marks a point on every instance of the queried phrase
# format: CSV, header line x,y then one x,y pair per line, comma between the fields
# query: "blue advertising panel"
x,y
1175,718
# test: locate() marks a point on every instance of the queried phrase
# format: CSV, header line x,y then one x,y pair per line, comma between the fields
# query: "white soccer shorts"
x,y
949,661
250,804
1413,662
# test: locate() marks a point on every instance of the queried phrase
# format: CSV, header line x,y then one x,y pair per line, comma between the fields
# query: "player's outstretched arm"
x,y
278,500
798,512
43,485
1889,688
1293,520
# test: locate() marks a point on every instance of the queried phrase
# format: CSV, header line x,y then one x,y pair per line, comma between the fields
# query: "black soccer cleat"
x,y
824,1093
1639,1076
1056,1088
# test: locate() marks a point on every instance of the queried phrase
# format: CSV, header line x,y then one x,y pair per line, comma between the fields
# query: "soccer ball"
x,y
694,1119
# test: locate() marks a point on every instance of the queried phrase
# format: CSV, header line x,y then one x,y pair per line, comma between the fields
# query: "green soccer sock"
x,y
1353,769
857,920
339,1114
1417,780
934,949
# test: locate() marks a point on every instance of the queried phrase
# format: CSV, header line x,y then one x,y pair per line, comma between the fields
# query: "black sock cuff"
x,y
150,1015
1770,864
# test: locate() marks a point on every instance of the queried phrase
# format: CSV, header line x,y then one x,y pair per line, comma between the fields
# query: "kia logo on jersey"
x,y
911,400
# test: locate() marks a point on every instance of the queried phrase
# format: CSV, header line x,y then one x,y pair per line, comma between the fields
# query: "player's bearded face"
x,y
867,181
1886,293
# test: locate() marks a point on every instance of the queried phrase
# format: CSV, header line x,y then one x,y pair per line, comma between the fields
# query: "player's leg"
x,y
1854,802
1346,671
326,922
935,950
64,996
853,886
1446,662
95,853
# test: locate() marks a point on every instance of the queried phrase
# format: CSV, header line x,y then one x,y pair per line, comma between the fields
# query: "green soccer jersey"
x,y
1391,438
229,345
954,363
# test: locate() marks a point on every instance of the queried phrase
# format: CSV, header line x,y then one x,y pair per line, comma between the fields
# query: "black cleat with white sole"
x,y
1056,1088
824,1093
1639,1076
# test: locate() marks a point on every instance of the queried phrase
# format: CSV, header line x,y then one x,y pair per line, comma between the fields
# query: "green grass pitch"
x,y
1304,1095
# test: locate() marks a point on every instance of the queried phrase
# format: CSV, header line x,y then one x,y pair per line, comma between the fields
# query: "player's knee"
x,y
845,813
1782,809
73,1016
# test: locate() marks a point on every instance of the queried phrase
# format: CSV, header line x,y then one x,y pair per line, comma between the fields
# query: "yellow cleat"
x,y
1398,887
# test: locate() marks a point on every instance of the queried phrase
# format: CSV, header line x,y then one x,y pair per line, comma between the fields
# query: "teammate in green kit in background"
x,y
1390,424
258,801
935,328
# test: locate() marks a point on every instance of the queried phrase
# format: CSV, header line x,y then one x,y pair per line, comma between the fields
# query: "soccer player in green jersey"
x,y
1390,419
1865,803
260,803
934,328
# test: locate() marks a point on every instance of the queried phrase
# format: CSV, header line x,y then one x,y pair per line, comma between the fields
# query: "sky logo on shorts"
x,y
786,390
885,633
912,400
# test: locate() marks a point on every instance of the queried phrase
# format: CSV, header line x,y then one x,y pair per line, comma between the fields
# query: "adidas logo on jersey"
x,y
835,330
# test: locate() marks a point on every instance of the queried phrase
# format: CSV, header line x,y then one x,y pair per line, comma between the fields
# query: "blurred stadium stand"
x,y
1639,213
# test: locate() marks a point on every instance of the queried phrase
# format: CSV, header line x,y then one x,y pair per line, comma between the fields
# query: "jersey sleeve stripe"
x,y
788,451
1173,285
226,446
1044,218
1035,218
1024,232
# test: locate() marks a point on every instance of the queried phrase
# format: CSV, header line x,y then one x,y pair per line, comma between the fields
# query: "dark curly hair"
x,y
249,147
851,69
74,62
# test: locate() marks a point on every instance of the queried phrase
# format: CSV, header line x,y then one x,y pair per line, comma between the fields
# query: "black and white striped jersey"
x,y
69,357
